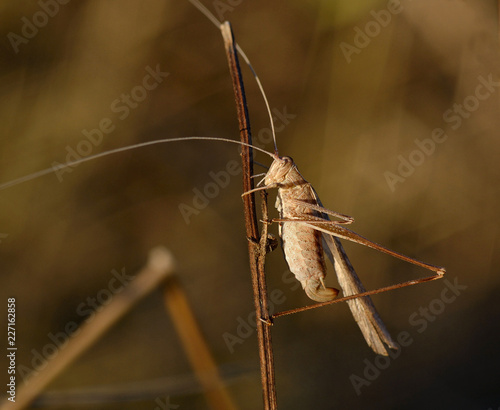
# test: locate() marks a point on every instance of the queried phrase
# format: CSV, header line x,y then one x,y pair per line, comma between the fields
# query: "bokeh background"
x,y
355,116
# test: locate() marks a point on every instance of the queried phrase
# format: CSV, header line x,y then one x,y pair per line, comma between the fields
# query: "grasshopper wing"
x,y
363,309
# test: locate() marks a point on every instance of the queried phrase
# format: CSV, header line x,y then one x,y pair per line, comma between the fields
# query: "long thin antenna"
x,y
217,23
58,167
55,168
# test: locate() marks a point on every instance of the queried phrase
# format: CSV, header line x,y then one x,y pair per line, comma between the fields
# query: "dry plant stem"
x,y
159,266
256,264
196,348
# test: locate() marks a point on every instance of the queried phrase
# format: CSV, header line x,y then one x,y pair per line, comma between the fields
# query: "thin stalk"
x,y
254,250
358,295
196,347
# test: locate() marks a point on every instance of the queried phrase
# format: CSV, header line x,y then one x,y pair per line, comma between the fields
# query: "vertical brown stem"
x,y
256,264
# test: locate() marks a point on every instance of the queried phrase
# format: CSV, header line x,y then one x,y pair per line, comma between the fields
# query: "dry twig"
x,y
254,250
159,266
195,347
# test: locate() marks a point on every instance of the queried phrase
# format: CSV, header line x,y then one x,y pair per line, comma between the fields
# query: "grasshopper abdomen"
x,y
301,244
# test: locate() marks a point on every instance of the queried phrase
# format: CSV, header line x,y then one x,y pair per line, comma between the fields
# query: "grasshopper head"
x,y
278,171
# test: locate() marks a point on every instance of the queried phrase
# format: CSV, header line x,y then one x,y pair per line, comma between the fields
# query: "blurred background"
x,y
358,91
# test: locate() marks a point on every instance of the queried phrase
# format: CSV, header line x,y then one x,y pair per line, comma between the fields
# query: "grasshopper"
x,y
306,231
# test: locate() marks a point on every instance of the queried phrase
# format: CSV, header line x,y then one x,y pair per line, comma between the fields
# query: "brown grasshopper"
x,y
306,231
305,228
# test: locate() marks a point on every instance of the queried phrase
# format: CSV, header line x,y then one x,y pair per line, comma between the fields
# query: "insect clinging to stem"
x,y
305,226
305,229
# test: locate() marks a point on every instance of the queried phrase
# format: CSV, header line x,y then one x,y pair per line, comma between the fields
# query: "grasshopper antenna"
x,y
58,167
217,23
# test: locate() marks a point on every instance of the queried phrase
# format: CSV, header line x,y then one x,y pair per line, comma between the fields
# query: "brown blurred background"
x,y
357,115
